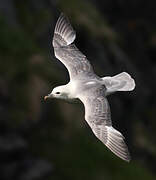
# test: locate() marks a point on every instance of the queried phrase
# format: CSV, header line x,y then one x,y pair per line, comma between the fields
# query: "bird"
x,y
89,88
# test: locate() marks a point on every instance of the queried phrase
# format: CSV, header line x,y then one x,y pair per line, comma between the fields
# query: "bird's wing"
x,y
98,116
67,52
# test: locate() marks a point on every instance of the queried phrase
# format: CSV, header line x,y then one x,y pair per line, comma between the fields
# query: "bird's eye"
x,y
57,92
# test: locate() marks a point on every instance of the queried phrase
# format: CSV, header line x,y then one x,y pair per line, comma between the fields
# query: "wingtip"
x,y
62,14
115,142
64,33
128,160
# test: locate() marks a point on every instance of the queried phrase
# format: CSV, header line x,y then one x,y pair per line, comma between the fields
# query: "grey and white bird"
x,y
89,88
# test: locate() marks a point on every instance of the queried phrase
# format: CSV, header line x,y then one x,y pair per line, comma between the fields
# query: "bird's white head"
x,y
60,92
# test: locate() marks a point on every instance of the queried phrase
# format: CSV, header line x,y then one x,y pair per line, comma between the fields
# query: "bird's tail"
x,y
64,34
120,82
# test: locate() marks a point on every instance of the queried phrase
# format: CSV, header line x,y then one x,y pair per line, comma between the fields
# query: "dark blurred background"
x,y
50,140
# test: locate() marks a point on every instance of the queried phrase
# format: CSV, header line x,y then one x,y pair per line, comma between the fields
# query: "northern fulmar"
x,y
89,88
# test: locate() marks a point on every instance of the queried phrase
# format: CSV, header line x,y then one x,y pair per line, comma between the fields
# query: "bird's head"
x,y
59,92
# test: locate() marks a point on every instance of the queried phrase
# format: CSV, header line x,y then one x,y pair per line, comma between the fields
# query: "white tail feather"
x,y
120,82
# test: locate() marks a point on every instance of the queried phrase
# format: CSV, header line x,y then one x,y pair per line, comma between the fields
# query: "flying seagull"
x,y
89,88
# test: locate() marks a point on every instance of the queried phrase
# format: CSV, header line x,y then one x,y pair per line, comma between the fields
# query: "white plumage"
x,y
92,90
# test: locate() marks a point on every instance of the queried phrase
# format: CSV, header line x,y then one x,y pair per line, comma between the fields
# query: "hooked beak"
x,y
49,96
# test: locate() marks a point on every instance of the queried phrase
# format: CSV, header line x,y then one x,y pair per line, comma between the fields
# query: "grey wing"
x,y
98,116
68,53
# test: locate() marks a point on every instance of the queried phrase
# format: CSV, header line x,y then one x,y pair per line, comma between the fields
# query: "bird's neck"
x,y
69,90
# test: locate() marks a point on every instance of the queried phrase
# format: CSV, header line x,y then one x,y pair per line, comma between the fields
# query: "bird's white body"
x,y
120,82
90,89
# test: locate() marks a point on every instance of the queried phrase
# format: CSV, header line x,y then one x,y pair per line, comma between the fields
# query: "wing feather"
x,y
76,62
97,114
